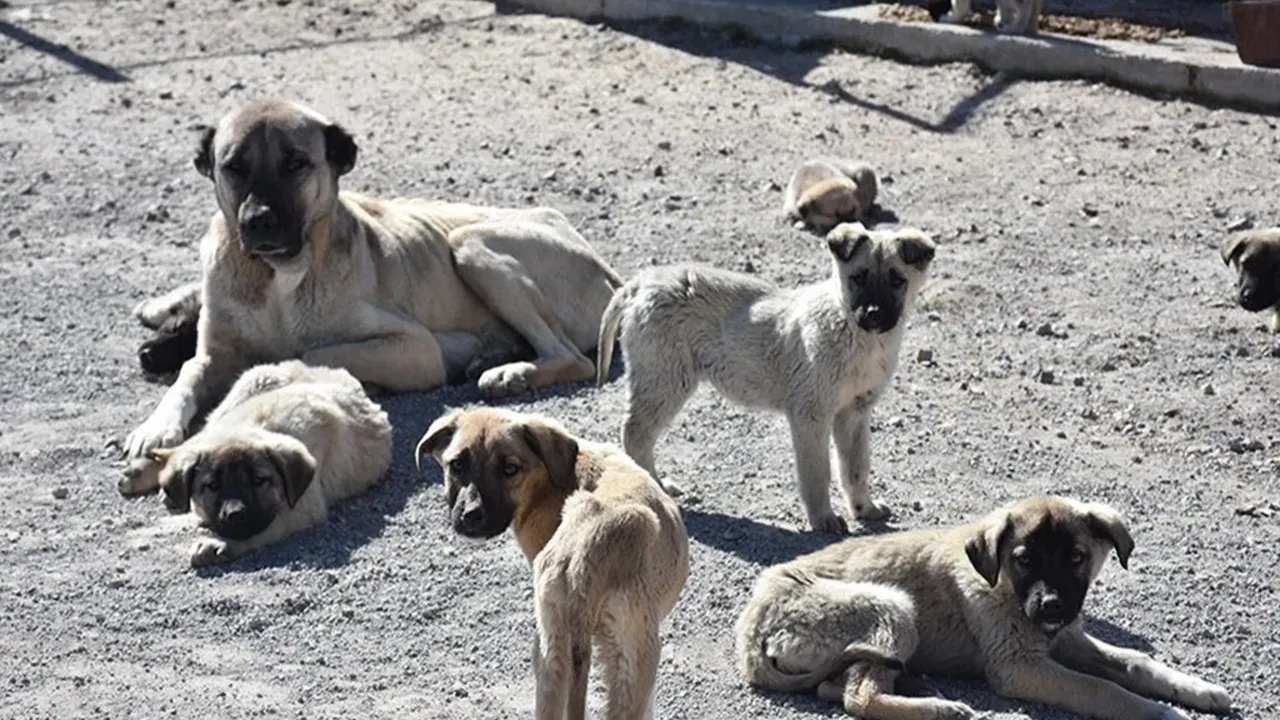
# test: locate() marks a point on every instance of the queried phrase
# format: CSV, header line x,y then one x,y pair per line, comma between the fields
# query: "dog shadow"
x,y
759,543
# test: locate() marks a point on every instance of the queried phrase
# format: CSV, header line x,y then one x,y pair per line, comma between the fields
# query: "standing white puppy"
x,y
821,354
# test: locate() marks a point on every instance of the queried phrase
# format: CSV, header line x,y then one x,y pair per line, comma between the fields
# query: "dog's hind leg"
x,y
661,383
630,659
865,690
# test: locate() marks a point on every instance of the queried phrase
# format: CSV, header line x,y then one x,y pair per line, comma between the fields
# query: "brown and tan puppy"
x,y
608,548
404,294
1000,598
824,193
1256,255
287,443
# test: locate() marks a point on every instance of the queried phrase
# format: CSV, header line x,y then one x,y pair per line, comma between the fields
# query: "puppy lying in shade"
x,y
287,443
824,193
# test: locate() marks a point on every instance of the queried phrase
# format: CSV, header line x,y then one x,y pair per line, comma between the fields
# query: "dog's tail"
x,y
609,322
769,675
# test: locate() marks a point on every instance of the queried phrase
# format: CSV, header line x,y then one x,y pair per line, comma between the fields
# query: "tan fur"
x,y
917,599
318,418
1250,246
405,294
608,549
824,193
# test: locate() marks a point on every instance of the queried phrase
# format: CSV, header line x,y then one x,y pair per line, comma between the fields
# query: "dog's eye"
x,y
234,167
897,280
458,465
297,163
510,470
1022,557
259,481
1076,557
859,278
213,486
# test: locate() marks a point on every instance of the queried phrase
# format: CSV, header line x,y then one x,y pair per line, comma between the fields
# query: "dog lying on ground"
x,y
287,443
608,548
1256,255
822,354
1012,16
824,193
1000,599
173,317
404,294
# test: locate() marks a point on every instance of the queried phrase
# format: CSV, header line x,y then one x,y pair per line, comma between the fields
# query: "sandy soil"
x,y
1075,205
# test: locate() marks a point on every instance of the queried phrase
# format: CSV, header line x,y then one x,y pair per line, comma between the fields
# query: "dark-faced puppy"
x,y
173,344
876,276
608,549
1256,256
1000,599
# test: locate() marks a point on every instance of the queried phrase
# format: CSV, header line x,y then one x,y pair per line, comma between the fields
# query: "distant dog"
x,y
824,193
404,294
1021,17
608,548
173,316
1256,254
999,598
287,443
822,354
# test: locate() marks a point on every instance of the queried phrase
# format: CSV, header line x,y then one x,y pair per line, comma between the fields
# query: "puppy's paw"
x,y
1205,696
830,523
1173,713
155,433
951,710
141,476
210,551
505,380
672,488
957,18
872,510
152,312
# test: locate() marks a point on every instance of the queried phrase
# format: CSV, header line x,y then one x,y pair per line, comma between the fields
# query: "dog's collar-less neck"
x,y
535,525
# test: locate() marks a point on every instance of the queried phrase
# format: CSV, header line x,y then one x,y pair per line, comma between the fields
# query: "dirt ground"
x,y
1081,324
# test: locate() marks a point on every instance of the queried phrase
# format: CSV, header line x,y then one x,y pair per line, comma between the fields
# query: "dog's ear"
x,y
558,451
204,151
176,476
845,239
985,545
436,438
296,469
1232,245
339,149
1107,524
916,249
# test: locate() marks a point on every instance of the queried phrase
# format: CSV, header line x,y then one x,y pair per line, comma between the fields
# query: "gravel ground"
x,y
1081,325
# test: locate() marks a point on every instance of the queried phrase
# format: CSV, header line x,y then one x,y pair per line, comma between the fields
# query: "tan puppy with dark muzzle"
x,y
287,443
404,294
824,193
608,548
1000,598
1256,255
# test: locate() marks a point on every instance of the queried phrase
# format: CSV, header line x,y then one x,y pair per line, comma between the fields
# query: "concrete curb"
x,y
1197,68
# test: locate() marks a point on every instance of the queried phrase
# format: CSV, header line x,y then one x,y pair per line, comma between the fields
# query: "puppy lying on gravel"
x,y
822,354
1256,255
1000,598
825,193
288,441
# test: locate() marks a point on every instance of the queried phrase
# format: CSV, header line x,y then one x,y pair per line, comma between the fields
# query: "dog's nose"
x,y
261,219
1051,605
231,511
473,517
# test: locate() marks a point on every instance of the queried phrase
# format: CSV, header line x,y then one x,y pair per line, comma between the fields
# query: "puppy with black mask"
x,y
1256,256
821,354
1000,599
287,443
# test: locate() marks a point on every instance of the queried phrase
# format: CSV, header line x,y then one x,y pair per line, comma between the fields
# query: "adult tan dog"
x,y
404,294
608,548
999,598
287,442
822,354
824,193
1256,255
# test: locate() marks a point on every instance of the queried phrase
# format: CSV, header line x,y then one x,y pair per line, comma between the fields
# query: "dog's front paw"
x,y
142,475
671,487
829,523
952,710
872,510
1173,713
957,18
1206,696
505,380
210,551
151,435
151,312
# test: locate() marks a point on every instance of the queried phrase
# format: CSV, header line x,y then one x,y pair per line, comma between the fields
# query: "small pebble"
x,y
61,493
